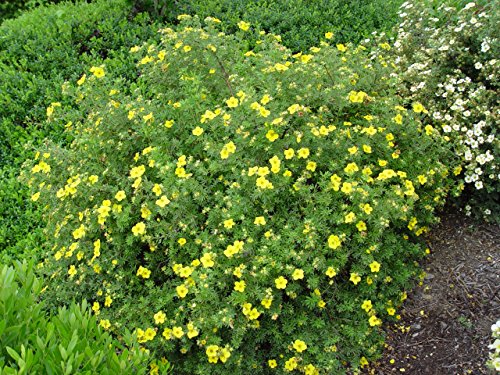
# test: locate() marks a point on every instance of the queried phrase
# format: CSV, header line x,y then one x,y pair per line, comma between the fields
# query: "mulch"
x,y
445,325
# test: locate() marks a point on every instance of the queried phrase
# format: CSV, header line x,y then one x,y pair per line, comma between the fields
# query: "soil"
x,y
445,325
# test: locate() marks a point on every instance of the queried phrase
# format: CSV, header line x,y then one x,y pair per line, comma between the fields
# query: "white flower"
x,y
478,185
478,65
469,5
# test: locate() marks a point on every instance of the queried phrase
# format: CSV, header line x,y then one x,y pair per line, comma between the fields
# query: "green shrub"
x,y
447,57
239,205
301,23
39,51
66,343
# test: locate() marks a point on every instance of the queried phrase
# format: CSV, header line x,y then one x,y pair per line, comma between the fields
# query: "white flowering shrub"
x,y
242,211
447,58
494,361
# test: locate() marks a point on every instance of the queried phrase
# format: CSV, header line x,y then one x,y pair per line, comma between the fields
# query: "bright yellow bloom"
x,y
120,196
229,223
108,301
334,242
289,153
341,47
272,363
291,364
361,225
299,346
98,71
240,286
329,35
207,260
181,241
159,317
243,25
143,272
374,321
137,172
182,291
260,220
139,228
355,278
81,81
375,266
367,305
330,272
298,274
271,135
105,323
311,166
163,201
266,302
303,153
281,282
177,332
418,107
35,196
197,131
72,270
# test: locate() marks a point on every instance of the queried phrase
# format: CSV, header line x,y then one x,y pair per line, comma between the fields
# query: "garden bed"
x,y
445,324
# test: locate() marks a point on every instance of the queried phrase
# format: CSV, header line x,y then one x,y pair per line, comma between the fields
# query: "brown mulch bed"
x,y
445,322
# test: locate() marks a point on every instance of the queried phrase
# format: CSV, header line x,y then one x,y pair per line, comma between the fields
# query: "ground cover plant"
x,y
39,51
233,205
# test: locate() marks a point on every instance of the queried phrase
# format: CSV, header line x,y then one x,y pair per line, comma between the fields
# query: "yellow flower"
x,y
143,272
351,168
321,304
291,364
137,172
281,282
197,131
330,272
35,196
422,179
229,223
104,323
311,166
181,241
72,270
272,363
355,278
374,321
341,47
259,220
232,102
159,317
391,311
167,333
207,260
93,179
303,153
289,153
298,274
182,291
139,228
367,149
299,346
266,302
224,354
346,187
334,242
367,305
243,25
361,225
329,35
212,350
418,107
177,332
81,81
366,208
120,196
310,370
98,71
79,232
163,201
375,266
240,286
271,135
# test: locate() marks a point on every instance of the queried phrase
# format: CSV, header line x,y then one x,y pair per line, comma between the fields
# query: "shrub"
x,y
70,341
38,52
447,57
494,357
301,23
238,205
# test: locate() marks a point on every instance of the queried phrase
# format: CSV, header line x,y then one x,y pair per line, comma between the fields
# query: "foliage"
x,y
13,8
234,205
301,23
70,341
38,52
447,57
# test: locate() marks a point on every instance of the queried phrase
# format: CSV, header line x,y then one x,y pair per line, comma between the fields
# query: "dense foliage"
x,y
447,57
68,342
240,203
301,23
38,52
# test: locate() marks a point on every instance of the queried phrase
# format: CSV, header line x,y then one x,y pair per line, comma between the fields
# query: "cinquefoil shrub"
x,y
447,58
243,211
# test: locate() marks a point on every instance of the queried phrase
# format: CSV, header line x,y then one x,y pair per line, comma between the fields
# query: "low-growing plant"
x,y
68,342
242,210
447,57
494,357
